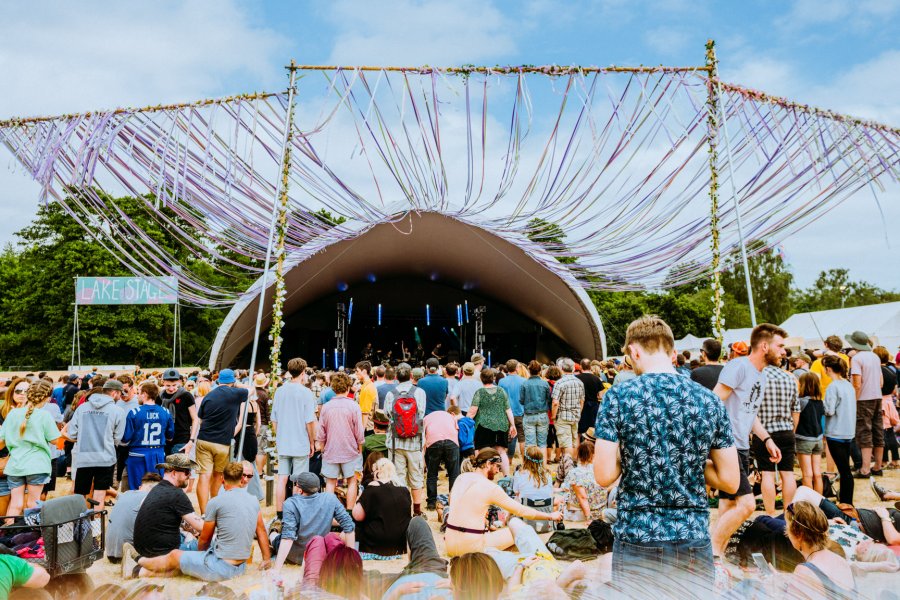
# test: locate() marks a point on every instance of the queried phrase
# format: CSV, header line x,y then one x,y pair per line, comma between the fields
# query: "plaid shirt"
x,y
779,400
569,392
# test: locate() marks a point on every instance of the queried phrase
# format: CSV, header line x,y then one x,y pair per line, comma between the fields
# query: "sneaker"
x,y
129,561
879,491
877,472
861,475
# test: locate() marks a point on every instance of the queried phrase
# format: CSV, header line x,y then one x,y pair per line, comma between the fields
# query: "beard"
x,y
773,358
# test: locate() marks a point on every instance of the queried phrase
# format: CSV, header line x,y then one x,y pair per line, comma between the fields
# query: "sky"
x,y
58,57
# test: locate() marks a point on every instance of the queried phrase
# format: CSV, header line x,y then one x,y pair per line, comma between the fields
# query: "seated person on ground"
x,y
471,497
383,512
585,498
533,486
234,517
158,526
120,525
308,513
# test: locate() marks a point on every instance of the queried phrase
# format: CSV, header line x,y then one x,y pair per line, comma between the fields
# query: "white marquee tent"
x,y
880,321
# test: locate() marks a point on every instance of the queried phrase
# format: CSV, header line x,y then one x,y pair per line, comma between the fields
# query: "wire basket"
x,y
70,546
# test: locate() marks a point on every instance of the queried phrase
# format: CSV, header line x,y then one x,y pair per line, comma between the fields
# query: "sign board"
x,y
126,290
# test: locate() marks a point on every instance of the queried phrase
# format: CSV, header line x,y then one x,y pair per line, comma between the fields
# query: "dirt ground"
x,y
254,581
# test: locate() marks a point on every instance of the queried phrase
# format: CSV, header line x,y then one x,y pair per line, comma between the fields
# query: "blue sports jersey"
x,y
150,426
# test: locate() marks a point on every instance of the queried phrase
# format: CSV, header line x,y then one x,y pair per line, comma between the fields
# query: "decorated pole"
x,y
279,220
712,124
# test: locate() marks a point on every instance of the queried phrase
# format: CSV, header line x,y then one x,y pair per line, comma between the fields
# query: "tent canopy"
x,y
880,321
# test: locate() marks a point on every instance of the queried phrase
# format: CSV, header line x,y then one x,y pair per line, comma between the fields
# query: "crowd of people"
x,y
639,448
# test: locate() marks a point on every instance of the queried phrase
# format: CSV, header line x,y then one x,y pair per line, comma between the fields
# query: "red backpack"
x,y
405,414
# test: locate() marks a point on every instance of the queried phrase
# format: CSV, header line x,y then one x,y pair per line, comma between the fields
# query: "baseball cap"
x,y
226,376
468,368
740,348
73,377
308,482
171,375
177,461
432,363
113,384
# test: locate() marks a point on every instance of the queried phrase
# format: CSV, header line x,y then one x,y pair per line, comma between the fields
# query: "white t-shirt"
x,y
868,366
294,407
525,486
747,384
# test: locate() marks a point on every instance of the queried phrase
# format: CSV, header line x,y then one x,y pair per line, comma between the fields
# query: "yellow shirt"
x,y
819,370
367,397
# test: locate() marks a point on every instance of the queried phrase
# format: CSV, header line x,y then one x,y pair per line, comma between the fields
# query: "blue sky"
x,y
59,56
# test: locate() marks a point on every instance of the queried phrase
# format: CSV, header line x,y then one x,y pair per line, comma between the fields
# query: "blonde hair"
x,y
651,333
384,471
37,395
534,466
203,388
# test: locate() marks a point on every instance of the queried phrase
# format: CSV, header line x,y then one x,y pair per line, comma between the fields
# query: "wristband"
x,y
766,441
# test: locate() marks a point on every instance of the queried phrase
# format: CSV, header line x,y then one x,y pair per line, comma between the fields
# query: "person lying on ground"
x,y
308,513
235,519
470,500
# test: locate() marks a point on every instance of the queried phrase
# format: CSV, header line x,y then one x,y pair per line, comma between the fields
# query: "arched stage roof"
x,y
426,245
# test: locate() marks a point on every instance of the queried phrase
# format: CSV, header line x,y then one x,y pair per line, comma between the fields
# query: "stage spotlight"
x,y
467,311
342,286
371,277
379,314
350,312
428,314
324,359
335,359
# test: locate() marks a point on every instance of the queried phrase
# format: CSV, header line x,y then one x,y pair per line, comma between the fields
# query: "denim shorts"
x,y
207,566
4,487
536,426
292,465
346,470
15,481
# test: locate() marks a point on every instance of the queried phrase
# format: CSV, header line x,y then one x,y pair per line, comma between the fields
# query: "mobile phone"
x,y
765,570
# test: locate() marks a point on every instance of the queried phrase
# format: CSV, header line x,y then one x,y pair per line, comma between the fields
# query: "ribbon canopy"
x,y
617,159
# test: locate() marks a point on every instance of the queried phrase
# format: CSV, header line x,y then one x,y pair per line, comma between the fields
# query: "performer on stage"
x,y
420,354
406,356
437,352
368,353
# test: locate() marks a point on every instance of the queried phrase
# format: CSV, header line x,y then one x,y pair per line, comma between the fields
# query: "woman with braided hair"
x,y
27,433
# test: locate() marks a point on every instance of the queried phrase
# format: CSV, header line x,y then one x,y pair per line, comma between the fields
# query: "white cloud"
x,y
409,32
61,56
666,41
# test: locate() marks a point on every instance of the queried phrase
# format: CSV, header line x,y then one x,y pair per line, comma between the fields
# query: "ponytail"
x,y
37,394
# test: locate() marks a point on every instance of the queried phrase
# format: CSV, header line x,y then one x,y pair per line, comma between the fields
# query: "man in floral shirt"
x,y
658,432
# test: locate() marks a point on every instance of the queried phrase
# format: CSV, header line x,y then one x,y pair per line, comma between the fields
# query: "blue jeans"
x,y
536,427
677,568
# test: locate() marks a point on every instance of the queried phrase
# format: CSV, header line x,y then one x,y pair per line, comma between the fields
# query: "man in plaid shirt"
x,y
568,398
778,413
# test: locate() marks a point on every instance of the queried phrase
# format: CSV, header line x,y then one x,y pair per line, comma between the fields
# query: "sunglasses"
x,y
20,390
246,475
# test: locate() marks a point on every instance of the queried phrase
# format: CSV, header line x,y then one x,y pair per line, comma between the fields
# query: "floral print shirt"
x,y
665,425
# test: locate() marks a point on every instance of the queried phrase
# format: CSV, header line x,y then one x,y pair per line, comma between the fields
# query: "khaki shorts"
x,y
567,434
410,468
212,458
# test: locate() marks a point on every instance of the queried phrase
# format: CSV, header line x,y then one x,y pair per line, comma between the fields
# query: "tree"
x,y
36,295
552,237
834,289
771,281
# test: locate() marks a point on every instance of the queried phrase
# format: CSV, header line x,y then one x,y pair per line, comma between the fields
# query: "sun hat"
x,y
381,418
226,376
260,380
858,340
177,461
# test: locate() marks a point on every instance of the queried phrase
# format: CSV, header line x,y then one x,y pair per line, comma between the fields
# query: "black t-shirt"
x,y
157,528
69,394
179,404
707,375
219,414
592,386
889,380
387,509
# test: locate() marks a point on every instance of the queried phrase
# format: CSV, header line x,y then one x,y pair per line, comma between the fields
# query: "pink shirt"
x,y
440,425
341,428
